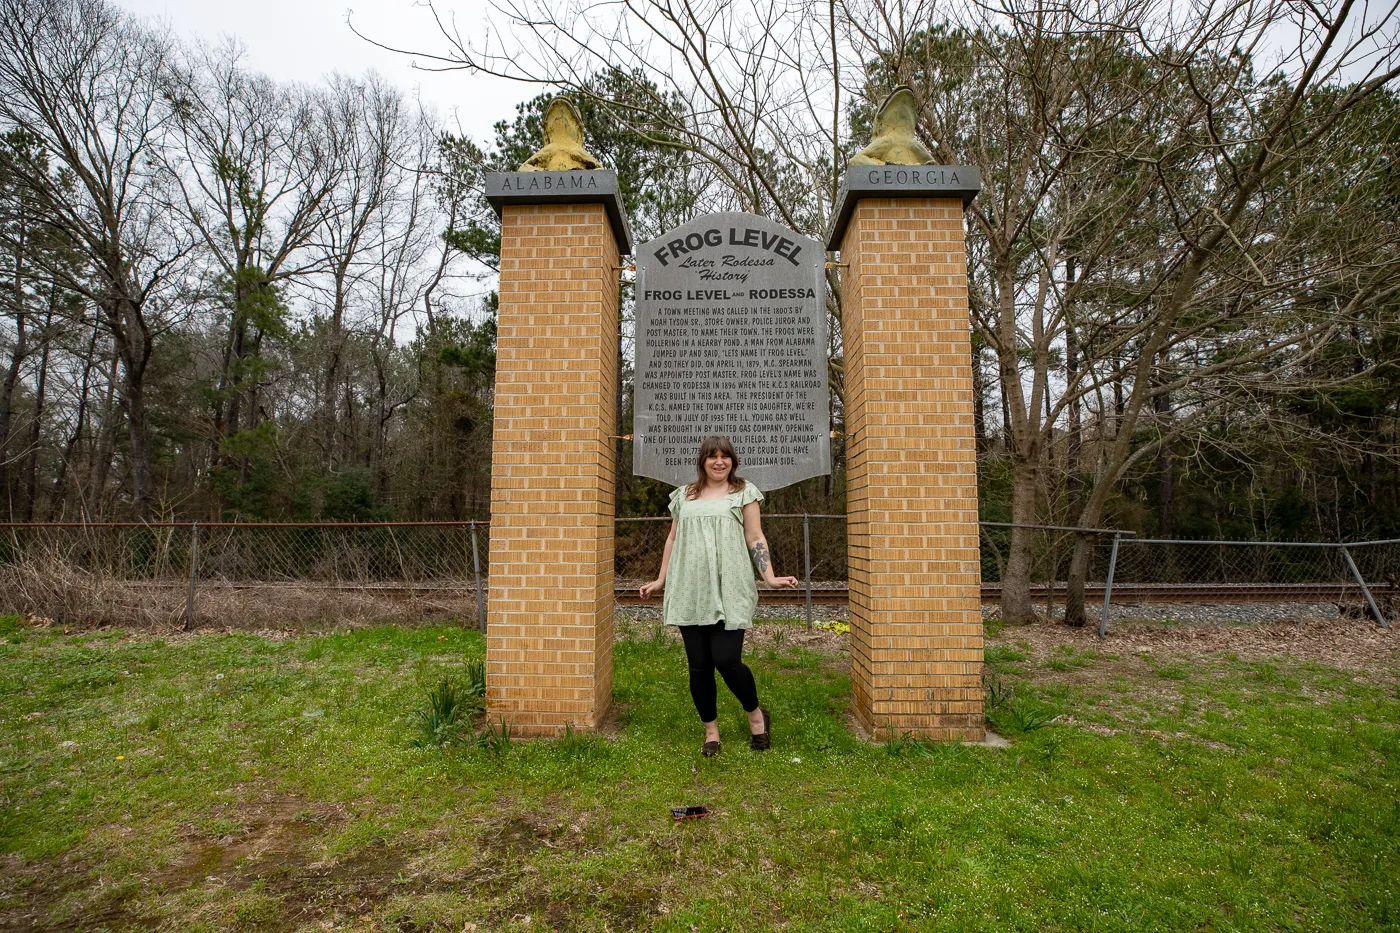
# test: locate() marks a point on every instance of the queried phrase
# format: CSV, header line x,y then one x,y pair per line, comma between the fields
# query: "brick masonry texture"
x,y
911,486
549,631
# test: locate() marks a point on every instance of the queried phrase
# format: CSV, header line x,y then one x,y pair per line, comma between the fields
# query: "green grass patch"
x,y
1069,658
234,782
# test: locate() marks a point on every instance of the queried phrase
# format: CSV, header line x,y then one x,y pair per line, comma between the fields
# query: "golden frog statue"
x,y
563,142
894,142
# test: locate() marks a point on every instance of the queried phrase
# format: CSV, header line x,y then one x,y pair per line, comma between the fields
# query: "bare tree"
x,y
1095,144
365,121
86,83
745,93
412,262
255,171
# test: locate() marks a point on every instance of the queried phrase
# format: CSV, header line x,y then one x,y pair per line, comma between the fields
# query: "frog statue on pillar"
x,y
894,142
563,142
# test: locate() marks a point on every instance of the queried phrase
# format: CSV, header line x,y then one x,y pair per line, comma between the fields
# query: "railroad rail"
x,y
835,594
1123,593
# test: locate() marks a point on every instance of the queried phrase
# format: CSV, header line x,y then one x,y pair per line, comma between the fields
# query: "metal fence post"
x,y
1375,611
194,573
480,597
1108,588
807,562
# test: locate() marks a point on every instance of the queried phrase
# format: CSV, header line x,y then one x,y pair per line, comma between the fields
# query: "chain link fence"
x,y
273,574
242,574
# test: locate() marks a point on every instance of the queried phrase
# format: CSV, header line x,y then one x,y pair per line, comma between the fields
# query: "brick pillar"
x,y
911,485
549,631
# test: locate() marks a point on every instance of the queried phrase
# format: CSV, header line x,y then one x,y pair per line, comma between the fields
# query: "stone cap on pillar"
x,y
900,181
574,186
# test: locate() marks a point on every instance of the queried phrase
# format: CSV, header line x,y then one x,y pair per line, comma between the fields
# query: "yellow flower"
x,y
121,757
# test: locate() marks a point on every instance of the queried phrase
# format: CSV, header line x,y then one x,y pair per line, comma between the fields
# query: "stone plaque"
x,y
731,339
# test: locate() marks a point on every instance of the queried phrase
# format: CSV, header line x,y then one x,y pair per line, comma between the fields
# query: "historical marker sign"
x,y
731,339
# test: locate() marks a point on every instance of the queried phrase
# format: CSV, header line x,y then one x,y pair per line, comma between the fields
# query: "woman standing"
x,y
711,596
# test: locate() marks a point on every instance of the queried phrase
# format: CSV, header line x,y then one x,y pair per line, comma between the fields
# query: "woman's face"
x,y
717,466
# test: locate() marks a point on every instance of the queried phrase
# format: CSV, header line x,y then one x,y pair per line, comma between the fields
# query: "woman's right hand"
x,y
649,588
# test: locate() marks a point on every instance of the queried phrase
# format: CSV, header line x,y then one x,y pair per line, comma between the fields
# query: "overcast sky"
x,y
303,40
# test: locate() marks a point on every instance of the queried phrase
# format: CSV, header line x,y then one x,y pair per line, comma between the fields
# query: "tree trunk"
x,y
1016,605
7,394
142,447
979,402
56,500
234,388
134,347
107,441
1083,550
378,471
330,414
31,468
1074,584
1075,434
1166,500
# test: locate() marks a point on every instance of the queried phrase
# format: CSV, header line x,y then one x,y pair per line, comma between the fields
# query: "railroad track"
x,y
1123,594
828,594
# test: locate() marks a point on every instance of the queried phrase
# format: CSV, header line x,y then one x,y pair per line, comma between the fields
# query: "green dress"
x,y
710,577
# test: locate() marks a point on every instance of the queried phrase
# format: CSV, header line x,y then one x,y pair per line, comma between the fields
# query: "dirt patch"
x,y
1346,644
797,636
265,832
509,842
272,845
526,833
272,866
1099,729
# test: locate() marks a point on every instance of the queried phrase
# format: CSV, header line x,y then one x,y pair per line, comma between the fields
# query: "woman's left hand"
x,y
782,583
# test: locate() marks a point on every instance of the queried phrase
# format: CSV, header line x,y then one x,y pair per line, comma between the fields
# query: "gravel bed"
x,y
1176,613
785,613
1201,613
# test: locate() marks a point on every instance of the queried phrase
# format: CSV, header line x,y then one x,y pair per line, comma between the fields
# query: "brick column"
x,y
549,628
911,486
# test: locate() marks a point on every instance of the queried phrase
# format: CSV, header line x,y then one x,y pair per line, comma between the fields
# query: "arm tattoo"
x,y
760,557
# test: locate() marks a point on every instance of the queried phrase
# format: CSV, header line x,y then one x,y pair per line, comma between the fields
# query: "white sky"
x,y
304,40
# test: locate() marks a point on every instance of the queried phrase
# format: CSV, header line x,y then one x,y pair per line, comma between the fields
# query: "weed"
x,y
1051,749
495,741
908,745
446,716
903,746
1025,718
151,722
475,674
578,745
996,692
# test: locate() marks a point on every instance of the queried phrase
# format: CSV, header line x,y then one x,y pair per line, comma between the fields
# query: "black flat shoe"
x,y
709,749
760,741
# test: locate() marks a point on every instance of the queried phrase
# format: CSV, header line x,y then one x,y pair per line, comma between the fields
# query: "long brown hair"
x,y
715,444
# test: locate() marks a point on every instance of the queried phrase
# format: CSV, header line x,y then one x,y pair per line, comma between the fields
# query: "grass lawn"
x,y
243,782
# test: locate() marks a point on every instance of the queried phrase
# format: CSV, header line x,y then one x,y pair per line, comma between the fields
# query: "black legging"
x,y
710,647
